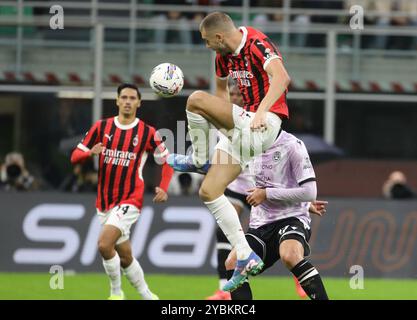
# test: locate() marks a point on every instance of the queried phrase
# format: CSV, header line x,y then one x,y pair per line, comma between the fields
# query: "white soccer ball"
x,y
166,80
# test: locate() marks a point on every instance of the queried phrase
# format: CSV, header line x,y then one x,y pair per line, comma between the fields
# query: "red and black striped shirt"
x,y
247,67
126,148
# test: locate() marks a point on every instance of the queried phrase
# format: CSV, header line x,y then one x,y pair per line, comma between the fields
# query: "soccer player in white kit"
x,y
236,192
279,226
249,57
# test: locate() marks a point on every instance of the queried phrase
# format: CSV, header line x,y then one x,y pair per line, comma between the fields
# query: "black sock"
x,y
310,280
223,250
244,292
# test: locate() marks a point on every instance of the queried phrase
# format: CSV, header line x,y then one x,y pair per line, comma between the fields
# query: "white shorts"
x,y
122,217
242,143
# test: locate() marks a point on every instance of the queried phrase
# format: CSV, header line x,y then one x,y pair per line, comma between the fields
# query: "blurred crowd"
x,y
14,176
397,187
176,26
301,21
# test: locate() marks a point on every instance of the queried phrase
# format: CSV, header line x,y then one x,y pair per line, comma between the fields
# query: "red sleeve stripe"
x,y
166,176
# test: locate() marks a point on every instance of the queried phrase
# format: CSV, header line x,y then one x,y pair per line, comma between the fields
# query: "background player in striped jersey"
x,y
248,56
279,226
122,144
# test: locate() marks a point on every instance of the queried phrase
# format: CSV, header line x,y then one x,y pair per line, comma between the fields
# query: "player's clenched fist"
x,y
318,207
160,195
256,196
97,149
259,121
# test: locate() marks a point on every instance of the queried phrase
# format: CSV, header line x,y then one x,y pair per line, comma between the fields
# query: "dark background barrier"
x,y
38,230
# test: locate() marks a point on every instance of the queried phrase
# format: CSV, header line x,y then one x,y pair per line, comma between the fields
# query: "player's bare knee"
x,y
105,247
194,101
290,257
209,194
204,193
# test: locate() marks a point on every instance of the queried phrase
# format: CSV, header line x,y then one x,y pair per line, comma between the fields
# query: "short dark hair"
x,y
216,20
128,85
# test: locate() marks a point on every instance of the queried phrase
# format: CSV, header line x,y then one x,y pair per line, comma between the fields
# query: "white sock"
x,y
198,128
112,268
136,277
228,220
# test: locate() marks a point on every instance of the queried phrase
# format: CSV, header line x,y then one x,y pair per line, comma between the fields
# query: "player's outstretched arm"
x,y
304,193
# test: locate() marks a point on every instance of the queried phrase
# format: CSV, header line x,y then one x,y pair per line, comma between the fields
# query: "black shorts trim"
x,y
265,240
238,196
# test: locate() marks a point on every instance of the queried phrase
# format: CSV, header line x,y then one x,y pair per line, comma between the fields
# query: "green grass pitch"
x,y
95,286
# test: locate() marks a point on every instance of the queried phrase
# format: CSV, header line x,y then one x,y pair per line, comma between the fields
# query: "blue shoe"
x,y
250,266
184,163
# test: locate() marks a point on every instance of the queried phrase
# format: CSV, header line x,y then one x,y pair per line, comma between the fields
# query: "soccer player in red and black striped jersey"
x,y
122,144
250,58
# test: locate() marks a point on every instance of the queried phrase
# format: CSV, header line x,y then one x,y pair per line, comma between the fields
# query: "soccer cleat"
x,y
184,163
220,295
154,296
117,297
148,295
250,266
299,289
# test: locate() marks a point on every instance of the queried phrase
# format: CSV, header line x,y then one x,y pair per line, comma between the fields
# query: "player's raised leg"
x,y
133,271
202,108
111,260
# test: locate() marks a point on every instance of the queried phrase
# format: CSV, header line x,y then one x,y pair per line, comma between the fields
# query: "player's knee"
x,y
104,246
205,194
194,101
211,190
290,257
